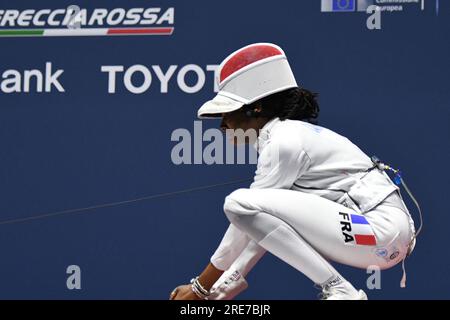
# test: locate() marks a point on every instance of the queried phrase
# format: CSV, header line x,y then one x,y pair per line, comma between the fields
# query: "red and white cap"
x,y
247,75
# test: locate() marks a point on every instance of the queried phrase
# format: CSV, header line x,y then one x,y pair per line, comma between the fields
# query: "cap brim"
x,y
220,104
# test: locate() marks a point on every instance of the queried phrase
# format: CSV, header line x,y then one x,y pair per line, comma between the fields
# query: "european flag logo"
x,y
338,5
344,5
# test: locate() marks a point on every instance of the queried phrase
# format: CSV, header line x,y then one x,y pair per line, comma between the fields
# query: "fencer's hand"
x,y
183,292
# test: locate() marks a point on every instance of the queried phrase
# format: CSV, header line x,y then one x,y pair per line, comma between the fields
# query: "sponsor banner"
x,y
76,21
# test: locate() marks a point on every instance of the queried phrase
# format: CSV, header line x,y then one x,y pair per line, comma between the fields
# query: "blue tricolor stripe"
x,y
359,219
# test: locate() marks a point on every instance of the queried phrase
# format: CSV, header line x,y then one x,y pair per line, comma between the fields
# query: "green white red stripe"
x,y
65,32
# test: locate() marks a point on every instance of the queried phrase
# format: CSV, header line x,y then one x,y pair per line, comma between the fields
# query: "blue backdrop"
x,y
386,90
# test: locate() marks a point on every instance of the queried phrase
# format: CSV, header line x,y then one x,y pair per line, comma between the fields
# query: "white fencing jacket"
x,y
301,156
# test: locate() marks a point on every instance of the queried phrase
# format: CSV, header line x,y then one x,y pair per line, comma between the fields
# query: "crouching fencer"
x,y
316,197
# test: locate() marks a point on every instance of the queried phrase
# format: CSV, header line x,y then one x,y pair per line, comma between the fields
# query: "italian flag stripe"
x,y
140,30
21,32
86,32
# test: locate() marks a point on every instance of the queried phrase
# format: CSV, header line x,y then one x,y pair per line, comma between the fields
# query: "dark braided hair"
x,y
294,104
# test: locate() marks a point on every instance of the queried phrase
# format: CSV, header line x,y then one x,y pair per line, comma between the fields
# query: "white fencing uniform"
x,y
314,198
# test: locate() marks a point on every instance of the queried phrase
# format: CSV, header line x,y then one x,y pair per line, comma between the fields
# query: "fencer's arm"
x,y
233,282
231,246
279,165
237,254
233,243
209,276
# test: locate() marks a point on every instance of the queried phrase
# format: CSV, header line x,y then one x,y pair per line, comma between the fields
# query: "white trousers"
x,y
306,230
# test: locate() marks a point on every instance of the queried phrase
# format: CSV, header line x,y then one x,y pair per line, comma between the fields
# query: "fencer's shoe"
x,y
342,291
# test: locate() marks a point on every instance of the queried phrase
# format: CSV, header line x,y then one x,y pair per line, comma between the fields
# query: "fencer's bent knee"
x,y
238,204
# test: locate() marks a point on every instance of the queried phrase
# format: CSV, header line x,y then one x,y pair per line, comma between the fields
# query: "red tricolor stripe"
x,y
365,240
166,30
247,56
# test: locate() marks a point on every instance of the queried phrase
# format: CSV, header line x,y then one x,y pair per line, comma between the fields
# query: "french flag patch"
x,y
356,230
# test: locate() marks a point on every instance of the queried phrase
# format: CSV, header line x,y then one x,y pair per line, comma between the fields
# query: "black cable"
x,y
117,203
